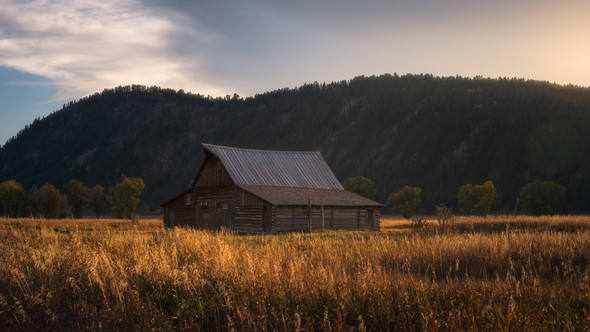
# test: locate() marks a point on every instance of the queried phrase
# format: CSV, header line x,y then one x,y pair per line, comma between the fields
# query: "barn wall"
x,y
213,174
184,216
178,213
244,198
297,218
252,214
228,206
249,219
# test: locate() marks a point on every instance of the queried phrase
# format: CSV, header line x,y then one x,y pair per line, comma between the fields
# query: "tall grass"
x,y
114,275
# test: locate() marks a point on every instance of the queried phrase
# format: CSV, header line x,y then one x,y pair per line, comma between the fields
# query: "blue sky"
x,y
53,51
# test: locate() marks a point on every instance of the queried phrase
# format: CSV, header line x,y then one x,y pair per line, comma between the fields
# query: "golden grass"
x,y
110,274
498,223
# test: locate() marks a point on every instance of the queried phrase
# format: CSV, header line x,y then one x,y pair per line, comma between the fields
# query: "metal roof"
x,y
275,168
303,196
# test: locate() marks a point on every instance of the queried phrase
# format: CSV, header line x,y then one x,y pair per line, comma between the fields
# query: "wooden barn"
x,y
255,191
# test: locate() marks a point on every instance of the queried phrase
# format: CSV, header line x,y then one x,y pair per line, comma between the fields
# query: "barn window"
x,y
187,199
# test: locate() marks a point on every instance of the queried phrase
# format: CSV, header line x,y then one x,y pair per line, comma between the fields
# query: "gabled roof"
x,y
289,169
188,190
303,196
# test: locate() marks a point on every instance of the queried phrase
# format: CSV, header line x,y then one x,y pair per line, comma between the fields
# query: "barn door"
x,y
222,215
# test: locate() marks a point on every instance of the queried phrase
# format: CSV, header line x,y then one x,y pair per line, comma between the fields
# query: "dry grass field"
x,y
495,273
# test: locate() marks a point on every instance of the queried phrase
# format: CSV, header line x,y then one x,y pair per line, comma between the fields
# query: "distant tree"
x,y
477,199
63,207
405,201
360,185
13,198
33,206
541,198
124,197
77,194
95,201
53,204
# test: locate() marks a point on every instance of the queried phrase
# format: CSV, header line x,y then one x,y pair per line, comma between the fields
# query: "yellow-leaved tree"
x,y
124,197
477,199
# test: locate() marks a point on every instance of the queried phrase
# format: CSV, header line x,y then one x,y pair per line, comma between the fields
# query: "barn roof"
x,y
302,196
286,169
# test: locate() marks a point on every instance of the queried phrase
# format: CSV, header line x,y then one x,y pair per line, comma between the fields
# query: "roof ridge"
x,y
257,150
267,186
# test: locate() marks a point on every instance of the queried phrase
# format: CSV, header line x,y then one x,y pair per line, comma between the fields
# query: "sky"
x,y
54,51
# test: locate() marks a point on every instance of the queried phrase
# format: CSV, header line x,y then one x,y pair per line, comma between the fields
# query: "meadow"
x,y
494,273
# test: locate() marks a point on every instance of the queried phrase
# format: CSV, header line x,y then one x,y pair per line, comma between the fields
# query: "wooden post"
x,y
322,218
309,213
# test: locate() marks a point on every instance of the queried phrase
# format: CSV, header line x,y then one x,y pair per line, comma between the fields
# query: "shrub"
x,y
417,223
444,215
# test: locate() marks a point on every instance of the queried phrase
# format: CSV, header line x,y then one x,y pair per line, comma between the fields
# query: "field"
x,y
495,273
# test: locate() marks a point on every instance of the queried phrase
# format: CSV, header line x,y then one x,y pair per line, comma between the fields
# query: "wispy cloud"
x,y
83,46
249,46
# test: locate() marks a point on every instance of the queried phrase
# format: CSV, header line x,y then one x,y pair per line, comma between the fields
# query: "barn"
x,y
257,191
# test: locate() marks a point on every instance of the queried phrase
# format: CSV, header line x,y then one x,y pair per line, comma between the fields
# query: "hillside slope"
x,y
436,133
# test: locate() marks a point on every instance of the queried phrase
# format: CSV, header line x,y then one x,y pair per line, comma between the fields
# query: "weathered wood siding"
x,y
249,219
244,198
178,213
214,196
213,174
252,214
297,218
184,216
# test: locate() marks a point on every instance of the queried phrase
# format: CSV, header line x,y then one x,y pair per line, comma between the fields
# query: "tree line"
x,y
436,133
48,202
536,198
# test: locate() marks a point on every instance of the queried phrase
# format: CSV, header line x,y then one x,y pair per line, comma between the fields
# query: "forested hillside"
x,y
418,130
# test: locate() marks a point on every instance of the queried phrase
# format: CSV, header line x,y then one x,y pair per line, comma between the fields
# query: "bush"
x,y
417,223
542,198
444,215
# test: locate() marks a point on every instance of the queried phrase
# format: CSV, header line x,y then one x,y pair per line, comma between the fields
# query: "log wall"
x,y
248,219
184,216
297,218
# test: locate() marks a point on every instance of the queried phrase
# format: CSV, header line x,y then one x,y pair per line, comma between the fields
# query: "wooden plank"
x,y
309,213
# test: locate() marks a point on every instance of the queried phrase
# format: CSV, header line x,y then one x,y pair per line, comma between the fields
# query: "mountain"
x,y
437,133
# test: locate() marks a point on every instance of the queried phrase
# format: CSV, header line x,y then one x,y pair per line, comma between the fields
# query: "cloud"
x,y
251,46
84,46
